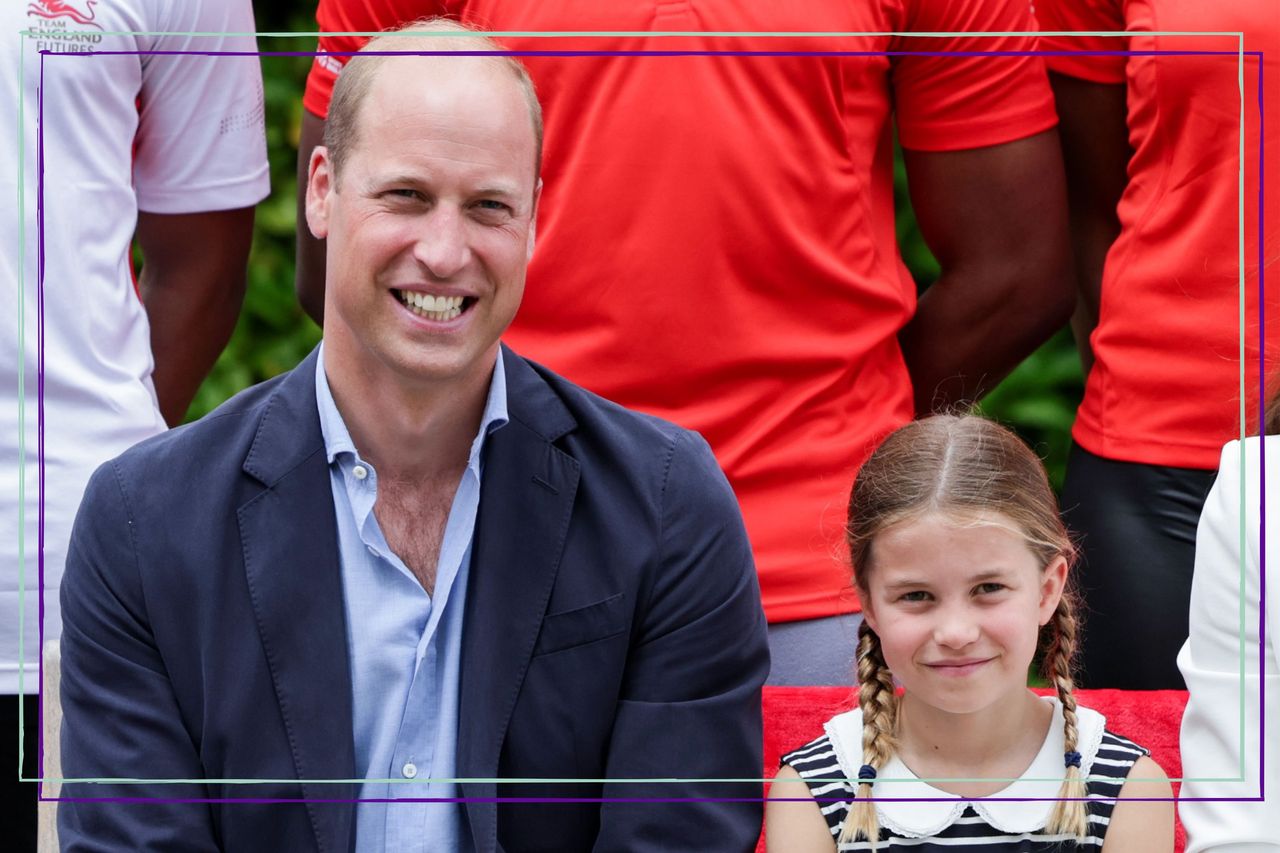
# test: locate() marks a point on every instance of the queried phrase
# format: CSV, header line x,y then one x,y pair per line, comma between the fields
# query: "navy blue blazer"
x,y
613,630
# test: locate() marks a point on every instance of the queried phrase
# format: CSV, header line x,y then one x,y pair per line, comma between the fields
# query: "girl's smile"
x,y
958,668
958,604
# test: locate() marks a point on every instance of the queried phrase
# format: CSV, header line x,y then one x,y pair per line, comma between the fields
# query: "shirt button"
x,y
360,472
409,770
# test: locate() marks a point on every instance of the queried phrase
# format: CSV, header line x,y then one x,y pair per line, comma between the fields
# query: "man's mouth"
x,y
441,309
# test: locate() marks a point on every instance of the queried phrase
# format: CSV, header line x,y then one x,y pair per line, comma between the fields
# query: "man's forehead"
x,y
463,100
408,75
444,86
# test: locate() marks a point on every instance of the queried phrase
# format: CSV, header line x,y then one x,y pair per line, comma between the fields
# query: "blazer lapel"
x,y
290,544
526,497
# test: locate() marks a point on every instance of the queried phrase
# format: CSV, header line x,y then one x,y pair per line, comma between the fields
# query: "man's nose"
x,y
442,246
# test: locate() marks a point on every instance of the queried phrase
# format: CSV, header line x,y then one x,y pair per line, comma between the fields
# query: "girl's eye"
x,y
914,595
988,588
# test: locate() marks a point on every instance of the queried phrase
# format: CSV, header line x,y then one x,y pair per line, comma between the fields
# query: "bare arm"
x,y
309,278
1137,826
794,827
1095,153
192,285
996,219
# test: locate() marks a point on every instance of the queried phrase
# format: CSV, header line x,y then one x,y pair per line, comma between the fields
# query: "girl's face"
x,y
958,606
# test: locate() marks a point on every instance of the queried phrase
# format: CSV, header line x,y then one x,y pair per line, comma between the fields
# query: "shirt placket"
x,y
414,754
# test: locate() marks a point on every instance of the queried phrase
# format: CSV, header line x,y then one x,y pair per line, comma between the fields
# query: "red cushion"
x,y
793,716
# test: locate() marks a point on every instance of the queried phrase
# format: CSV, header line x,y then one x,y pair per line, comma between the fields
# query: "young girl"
x,y
961,562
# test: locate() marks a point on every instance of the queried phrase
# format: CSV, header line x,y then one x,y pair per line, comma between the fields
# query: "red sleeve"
x,y
355,16
950,102
1084,16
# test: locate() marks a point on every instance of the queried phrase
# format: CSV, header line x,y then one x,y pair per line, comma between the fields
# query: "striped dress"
x,y
916,816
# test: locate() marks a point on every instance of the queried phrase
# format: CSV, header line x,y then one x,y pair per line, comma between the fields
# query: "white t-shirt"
x,y
121,133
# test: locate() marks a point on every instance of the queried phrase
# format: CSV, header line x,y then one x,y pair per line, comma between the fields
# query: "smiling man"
x,y
417,559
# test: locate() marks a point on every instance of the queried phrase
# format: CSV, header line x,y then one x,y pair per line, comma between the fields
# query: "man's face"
x,y
430,224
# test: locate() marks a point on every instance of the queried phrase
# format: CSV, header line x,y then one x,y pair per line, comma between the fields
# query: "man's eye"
x,y
403,192
489,204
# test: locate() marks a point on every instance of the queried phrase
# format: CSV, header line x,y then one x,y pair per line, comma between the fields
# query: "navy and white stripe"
x,y
817,764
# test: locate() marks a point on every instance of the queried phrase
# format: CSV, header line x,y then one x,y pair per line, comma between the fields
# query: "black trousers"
x,y
19,798
1136,526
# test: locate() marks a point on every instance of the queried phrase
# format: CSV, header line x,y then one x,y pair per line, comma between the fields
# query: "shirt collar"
x,y
337,439
925,811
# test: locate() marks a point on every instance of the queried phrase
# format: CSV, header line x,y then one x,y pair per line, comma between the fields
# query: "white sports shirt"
x,y
163,133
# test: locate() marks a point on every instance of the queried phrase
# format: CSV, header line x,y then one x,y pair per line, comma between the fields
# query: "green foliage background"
x,y
1038,399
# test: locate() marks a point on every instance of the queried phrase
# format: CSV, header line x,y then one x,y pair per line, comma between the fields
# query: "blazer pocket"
x,y
582,625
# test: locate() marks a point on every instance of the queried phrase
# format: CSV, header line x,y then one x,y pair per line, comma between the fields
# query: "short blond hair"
x,y
341,130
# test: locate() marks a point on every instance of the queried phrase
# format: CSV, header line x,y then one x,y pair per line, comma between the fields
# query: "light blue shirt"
x,y
405,646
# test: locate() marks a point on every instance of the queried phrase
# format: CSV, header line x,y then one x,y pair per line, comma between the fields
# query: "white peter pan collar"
x,y
925,810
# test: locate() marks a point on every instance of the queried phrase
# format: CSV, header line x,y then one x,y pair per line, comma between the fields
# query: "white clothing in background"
x,y
161,133
1218,741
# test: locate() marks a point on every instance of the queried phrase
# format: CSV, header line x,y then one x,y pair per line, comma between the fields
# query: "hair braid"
x,y
966,468
879,705
1070,815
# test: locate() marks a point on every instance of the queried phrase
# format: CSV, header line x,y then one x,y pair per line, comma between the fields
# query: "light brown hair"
x,y
965,467
341,129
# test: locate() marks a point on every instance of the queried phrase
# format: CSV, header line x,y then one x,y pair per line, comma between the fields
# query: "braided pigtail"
x,y
879,706
1070,815
968,469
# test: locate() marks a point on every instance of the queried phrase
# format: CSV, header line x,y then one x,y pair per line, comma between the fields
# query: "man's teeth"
x,y
438,308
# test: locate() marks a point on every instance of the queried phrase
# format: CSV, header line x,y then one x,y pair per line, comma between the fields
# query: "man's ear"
x,y
1053,580
533,221
320,184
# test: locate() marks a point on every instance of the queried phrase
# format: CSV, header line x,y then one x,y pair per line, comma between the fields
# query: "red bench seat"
x,y
794,716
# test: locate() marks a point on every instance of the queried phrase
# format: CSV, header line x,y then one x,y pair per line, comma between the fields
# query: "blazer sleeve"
x,y
120,715
690,708
1225,670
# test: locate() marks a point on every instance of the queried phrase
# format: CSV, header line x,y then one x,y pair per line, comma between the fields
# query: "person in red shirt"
x,y
1153,151
716,239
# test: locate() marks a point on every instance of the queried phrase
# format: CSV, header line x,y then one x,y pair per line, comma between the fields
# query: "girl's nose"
x,y
957,628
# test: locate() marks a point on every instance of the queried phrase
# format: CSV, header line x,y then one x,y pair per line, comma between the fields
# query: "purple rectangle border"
x,y
636,53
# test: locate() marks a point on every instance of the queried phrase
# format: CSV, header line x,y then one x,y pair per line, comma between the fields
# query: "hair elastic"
x,y
866,773
1071,759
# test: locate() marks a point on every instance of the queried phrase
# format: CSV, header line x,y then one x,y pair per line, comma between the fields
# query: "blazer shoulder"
x,y
591,413
194,452
637,454
593,429
1241,463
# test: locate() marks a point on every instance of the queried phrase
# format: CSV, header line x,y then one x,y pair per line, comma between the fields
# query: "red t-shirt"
x,y
716,234
1165,386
